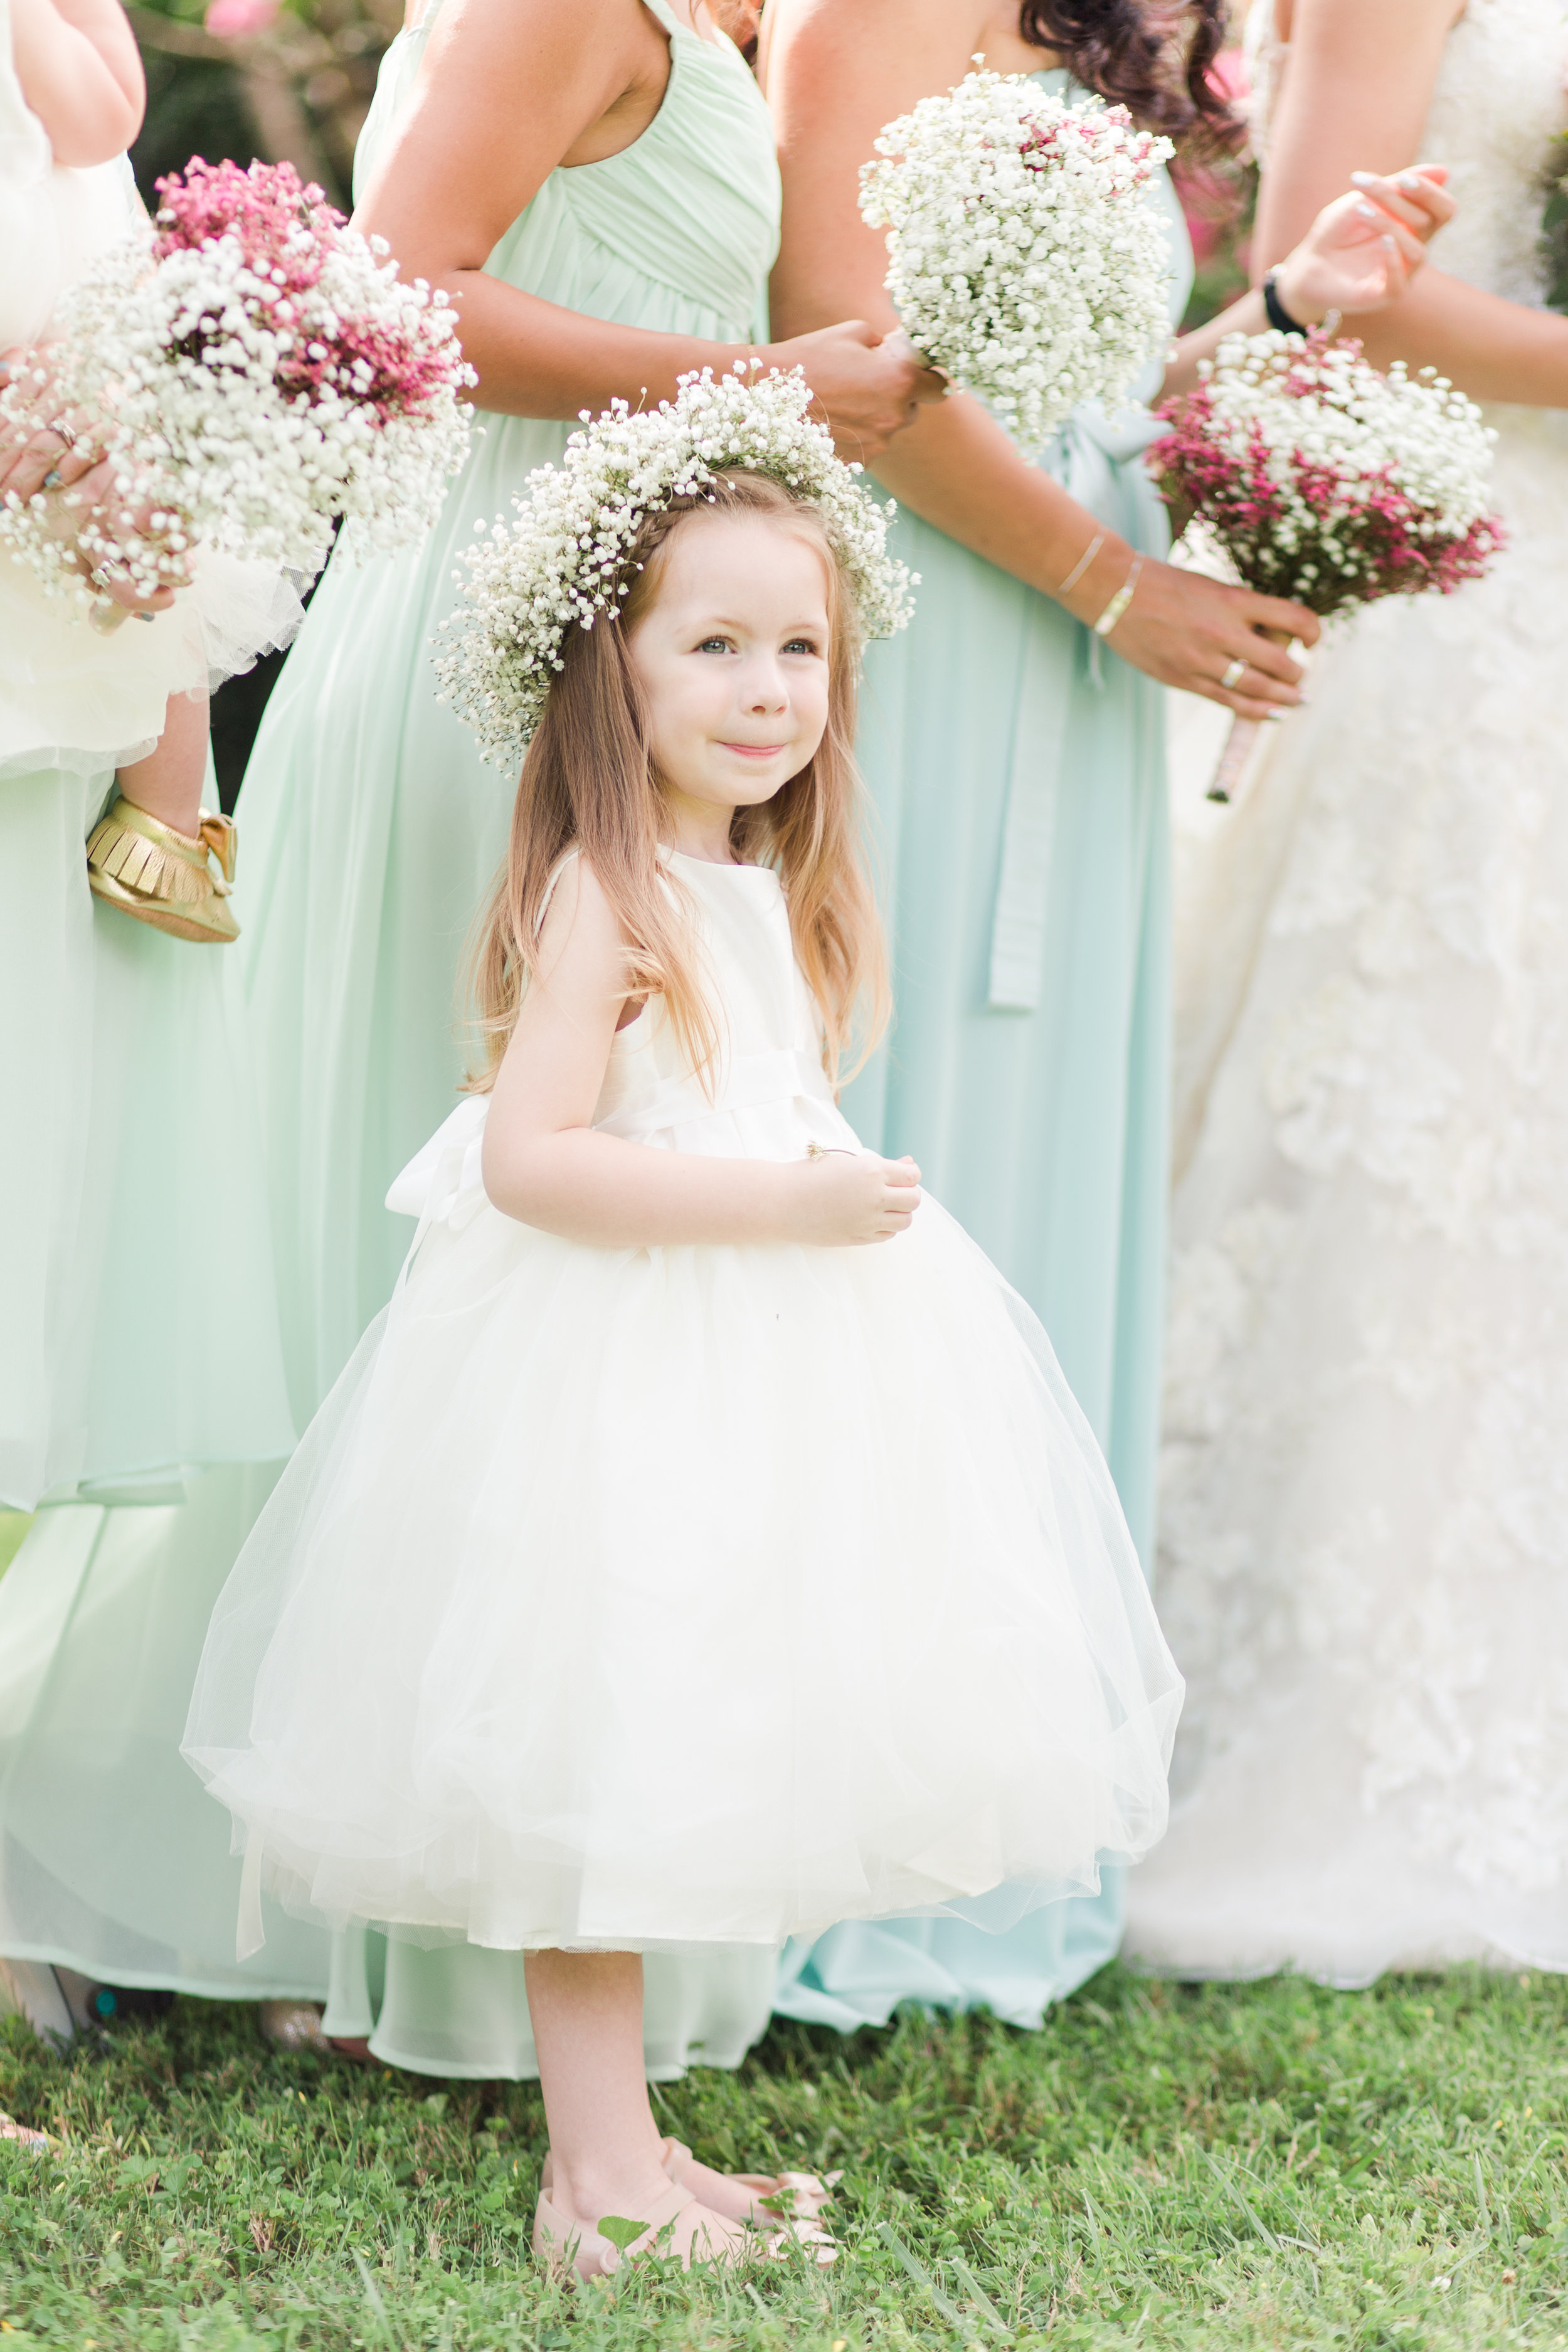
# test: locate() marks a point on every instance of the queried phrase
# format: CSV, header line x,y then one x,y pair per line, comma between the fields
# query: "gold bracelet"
x,y
1081,566
1120,602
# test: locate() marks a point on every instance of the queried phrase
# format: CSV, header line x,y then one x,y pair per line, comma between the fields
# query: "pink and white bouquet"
x,y
254,370
1325,481
1027,251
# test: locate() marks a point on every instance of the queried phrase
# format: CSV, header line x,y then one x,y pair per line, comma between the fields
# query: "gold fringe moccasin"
x,y
178,882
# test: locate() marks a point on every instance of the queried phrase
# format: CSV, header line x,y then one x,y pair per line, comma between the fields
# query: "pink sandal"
x,y
36,2142
695,2234
787,2204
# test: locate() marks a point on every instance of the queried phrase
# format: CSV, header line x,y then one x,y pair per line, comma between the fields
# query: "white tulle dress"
x,y
692,1595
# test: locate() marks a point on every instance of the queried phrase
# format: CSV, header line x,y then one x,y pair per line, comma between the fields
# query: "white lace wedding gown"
x,y
1365,1559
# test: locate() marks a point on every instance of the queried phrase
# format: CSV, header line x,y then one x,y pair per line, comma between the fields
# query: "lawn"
x,y
1223,2166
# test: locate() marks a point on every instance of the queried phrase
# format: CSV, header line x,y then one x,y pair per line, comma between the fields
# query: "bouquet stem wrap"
x,y
1326,482
1243,734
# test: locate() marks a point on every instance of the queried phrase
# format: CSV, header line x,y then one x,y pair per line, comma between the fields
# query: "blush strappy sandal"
x,y
785,2204
674,2224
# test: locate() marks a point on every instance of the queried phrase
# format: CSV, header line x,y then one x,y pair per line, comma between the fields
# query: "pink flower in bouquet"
x,y
262,373
240,20
288,233
1327,483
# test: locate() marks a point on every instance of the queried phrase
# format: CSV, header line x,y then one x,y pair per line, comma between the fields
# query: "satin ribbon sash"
x,y
1097,460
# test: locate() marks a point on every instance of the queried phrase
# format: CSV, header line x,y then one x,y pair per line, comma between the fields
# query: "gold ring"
x,y
1233,674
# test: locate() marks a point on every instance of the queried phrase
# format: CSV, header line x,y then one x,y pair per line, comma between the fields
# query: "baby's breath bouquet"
x,y
1026,252
254,368
1326,482
563,561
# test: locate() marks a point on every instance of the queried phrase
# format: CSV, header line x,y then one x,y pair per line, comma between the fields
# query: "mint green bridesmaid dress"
x,y
370,832
372,829
1017,768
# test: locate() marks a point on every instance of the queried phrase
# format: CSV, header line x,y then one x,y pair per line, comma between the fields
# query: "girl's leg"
x,y
586,2009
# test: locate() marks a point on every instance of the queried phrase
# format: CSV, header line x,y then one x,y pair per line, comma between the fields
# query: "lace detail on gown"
x,y
1364,1478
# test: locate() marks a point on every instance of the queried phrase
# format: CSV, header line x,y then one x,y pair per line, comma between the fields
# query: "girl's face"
x,y
732,657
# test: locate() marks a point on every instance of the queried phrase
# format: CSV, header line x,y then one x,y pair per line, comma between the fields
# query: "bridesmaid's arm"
x,y
835,75
1356,90
508,90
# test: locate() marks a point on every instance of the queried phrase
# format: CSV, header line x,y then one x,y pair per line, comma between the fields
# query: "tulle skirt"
x,y
657,1599
73,699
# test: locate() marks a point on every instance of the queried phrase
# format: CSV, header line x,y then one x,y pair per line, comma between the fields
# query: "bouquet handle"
x,y
1239,742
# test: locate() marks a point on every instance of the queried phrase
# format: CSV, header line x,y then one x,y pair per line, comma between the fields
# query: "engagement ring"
x,y
1233,674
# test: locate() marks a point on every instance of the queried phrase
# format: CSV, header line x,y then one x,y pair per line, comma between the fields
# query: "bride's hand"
x,y
1362,251
1186,630
869,386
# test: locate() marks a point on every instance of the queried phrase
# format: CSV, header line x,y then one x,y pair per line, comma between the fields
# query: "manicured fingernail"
x,y
1363,179
1365,211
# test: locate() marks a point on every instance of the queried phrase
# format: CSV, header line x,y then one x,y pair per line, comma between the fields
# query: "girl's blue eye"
x,y
801,645
708,644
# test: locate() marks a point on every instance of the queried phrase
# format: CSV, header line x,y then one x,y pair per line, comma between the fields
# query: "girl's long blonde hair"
x,y
588,784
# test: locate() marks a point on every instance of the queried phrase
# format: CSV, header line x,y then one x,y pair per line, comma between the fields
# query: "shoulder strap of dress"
x,y
667,16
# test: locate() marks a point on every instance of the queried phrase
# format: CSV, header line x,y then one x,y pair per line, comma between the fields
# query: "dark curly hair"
x,y
1152,59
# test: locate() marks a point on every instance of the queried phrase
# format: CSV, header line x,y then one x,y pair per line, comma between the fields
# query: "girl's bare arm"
x,y
545,1165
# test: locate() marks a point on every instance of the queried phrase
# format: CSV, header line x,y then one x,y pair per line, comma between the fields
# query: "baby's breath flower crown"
x,y
564,560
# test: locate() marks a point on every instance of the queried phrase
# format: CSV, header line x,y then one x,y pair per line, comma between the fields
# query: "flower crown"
x,y
564,559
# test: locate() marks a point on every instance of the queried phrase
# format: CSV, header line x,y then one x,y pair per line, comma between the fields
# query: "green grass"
x,y
1265,2165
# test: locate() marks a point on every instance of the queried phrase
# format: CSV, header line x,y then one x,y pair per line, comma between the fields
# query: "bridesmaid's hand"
x,y
1185,630
1362,250
869,386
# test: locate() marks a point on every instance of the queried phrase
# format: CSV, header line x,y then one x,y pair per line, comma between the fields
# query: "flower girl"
x,y
719,1549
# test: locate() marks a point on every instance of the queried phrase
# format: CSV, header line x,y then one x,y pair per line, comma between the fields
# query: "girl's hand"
x,y
869,385
1185,630
841,1199
1362,250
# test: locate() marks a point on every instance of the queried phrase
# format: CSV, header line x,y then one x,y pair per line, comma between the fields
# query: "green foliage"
x,y
1224,2168
1555,226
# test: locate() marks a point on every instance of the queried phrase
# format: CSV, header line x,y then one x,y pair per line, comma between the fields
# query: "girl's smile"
x,y
733,659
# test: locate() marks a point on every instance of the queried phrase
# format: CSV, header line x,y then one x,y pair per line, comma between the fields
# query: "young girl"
x,y
718,1549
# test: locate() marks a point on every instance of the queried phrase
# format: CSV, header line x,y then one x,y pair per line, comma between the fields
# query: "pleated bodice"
x,y
687,214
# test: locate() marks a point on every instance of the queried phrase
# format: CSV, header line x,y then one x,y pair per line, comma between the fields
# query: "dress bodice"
x,y
770,1031
690,209
1500,99
764,1096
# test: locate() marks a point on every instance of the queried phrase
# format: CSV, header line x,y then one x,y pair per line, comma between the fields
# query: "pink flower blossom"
x,y
1299,518
240,20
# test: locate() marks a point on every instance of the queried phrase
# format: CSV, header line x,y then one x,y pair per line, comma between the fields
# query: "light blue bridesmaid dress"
x,y
1018,768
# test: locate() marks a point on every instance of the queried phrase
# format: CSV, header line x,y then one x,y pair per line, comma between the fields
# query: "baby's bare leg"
x,y
168,782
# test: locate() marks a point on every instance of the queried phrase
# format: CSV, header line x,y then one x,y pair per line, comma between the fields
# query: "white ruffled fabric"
x,y
70,699
693,1595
